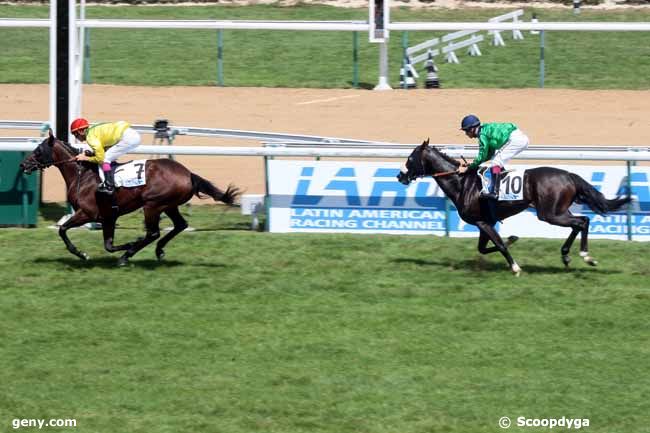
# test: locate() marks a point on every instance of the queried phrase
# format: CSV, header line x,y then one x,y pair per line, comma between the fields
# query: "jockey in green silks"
x,y
497,144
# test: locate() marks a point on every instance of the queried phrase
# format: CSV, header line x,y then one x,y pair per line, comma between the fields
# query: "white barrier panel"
x,y
364,197
516,34
631,154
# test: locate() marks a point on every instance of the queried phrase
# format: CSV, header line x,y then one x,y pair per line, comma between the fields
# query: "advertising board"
x,y
365,197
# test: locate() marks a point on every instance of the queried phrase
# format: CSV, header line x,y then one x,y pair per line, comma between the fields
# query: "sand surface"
x,y
548,116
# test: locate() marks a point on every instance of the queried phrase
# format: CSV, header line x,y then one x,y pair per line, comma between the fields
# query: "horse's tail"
x,y
200,185
587,194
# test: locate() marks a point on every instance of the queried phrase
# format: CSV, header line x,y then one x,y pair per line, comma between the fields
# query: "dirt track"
x,y
558,117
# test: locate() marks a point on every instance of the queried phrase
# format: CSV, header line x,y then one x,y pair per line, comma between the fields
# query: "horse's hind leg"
x,y
489,233
79,218
151,221
566,246
584,247
179,225
578,224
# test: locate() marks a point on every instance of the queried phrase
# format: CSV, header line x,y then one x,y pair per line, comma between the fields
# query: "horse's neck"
x,y
70,171
450,184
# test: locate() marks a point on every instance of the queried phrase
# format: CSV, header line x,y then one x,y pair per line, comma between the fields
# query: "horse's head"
x,y
414,167
41,157
426,160
44,156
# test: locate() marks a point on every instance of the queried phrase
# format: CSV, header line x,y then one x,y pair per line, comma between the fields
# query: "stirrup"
x,y
105,188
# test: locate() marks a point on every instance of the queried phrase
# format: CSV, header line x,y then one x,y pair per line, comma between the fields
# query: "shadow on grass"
x,y
111,263
52,211
483,265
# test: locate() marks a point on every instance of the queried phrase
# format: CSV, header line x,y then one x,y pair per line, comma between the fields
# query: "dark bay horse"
x,y
549,190
169,185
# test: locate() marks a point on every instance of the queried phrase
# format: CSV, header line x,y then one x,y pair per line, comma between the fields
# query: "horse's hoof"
x,y
84,256
123,261
566,260
160,255
516,270
588,259
511,240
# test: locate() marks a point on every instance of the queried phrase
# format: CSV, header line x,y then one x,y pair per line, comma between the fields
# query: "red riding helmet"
x,y
78,124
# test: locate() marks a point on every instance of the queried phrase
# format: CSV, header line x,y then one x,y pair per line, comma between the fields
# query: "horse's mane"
x,y
67,146
445,156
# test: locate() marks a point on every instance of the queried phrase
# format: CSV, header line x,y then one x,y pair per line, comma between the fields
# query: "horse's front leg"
x,y
78,219
484,239
108,230
151,222
489,233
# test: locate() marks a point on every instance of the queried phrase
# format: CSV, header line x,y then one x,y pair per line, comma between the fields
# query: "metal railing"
x,y
43,126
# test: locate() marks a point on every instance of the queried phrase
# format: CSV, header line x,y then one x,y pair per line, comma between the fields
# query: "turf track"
x,y
239,331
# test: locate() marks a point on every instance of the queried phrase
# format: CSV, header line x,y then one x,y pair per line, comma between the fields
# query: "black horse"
x,y
169,184
549,190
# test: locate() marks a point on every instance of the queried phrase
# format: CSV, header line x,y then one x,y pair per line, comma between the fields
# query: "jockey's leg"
x,y
129,141
496,181
517,143
108,185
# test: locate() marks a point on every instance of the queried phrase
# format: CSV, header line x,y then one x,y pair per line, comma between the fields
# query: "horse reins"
x,y
447,173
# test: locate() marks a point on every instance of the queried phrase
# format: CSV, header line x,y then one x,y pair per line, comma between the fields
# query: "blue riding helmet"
x,y
469,121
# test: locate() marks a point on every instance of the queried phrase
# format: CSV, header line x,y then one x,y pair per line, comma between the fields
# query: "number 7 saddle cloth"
x,y
130,174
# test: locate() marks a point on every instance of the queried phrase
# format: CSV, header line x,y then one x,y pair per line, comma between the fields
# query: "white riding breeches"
x,y
517,143
129,141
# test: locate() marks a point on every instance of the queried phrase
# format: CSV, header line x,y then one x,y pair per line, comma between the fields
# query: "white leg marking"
x,y
516,269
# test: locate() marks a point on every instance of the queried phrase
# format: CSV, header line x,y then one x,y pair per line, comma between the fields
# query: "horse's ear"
x,y
425,143
51,137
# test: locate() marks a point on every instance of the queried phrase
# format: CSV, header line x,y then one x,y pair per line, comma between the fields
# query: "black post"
x,y
62,68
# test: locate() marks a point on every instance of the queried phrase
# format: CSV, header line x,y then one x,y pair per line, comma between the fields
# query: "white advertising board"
x,y
365,197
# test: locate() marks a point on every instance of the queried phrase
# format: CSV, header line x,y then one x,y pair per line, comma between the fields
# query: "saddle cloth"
x,y
130,174
512,185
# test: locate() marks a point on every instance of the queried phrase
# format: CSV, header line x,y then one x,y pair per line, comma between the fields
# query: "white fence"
x,y
626,154
338,25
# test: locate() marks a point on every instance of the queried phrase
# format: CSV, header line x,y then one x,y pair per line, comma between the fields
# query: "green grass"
x,y
240,331
587,60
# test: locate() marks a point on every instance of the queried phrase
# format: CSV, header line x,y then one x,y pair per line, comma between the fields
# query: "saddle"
x,y
510,186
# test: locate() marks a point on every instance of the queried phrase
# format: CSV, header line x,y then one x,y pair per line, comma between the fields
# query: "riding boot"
x,y
496,185
108,186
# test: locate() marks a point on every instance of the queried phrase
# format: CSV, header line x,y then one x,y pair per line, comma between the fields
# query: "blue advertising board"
x,y
365,197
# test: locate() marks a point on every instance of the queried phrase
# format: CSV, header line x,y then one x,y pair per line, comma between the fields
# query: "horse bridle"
x,y
410,178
